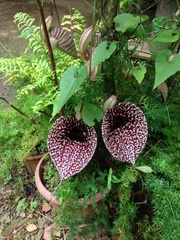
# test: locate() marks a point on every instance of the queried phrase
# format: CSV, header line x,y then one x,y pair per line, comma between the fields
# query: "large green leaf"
x,y
103,52
72,78
127,21
166,65
91,112
169,35
132,23
138,72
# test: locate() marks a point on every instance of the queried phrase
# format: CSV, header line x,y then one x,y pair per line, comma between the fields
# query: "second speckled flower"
x,y
124,131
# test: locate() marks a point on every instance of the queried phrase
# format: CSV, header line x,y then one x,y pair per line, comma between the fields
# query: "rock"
x,y
31,227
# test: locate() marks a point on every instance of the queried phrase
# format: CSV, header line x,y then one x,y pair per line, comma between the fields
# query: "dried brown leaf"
x,y
48,231
46,207
163,88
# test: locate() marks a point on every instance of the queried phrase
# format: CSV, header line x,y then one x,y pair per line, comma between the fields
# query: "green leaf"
x,y
109,185
91,112
103,52
26,32
145,169
71,79
166,65
138,72
115,179
168,36
127,21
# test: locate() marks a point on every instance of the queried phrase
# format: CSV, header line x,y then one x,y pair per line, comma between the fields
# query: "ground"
x,y
21,219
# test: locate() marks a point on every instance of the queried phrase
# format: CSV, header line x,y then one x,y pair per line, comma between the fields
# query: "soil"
x,y
20,220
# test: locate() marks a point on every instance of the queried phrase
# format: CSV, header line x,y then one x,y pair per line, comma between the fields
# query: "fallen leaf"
x,y
30,216
48,231
22,214
17,199
46,207
31,227
30,198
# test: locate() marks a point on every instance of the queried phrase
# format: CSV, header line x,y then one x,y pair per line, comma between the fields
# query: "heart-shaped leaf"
x,y
166,65
103,52
91,112
72,78
138,72
169,35
125,21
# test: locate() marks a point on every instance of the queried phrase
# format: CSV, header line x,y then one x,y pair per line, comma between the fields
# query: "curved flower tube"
x,y
71,145
124,131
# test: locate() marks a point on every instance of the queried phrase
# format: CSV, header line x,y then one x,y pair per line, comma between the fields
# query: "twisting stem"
x,y
51,56
21,112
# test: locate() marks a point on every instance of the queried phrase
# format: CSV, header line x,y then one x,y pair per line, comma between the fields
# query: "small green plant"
x,y
33,206
22,205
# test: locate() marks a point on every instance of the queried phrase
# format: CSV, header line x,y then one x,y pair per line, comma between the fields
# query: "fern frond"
x,y
15,69
23,21
30,32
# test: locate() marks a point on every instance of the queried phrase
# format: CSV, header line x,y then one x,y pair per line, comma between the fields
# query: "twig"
x,y
21,112
142,11
57,15
151,148
44,216
51,56
6,49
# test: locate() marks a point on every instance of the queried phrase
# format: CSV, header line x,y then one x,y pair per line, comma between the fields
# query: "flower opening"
x,y
71,145
124,131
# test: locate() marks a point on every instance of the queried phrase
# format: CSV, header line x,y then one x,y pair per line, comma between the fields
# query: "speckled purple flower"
x,y
124,131
71,145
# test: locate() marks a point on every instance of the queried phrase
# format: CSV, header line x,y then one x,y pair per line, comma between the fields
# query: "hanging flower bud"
x,y
84,41
79,115
92,70
110,102
48,22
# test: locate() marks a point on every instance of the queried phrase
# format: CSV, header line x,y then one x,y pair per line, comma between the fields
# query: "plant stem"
x,y
21,112
51,56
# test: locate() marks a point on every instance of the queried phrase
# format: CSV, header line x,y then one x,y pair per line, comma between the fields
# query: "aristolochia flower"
x,y
124,131
71,145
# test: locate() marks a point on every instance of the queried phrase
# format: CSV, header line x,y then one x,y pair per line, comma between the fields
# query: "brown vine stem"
x,y
51,56
21,112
